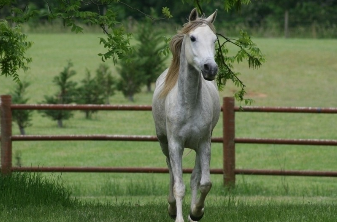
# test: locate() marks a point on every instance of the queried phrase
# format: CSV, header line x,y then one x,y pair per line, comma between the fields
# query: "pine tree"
x,y
67,94
106,82
22,118
90,92
131,77
150,44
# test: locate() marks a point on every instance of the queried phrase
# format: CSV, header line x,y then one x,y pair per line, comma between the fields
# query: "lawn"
x,y
32,197
297,72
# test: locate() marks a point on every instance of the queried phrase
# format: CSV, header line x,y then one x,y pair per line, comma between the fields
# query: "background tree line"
x,y
291,18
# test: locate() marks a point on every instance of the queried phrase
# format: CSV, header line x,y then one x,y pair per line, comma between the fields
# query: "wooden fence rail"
x,y
228,140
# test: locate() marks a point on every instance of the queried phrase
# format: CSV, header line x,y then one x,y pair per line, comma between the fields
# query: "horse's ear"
x,y
194,15
212,17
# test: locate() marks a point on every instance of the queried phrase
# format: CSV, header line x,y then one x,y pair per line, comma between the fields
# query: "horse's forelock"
x,y
176,41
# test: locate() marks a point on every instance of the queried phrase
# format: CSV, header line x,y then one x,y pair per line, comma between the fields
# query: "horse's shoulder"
x,y
161,78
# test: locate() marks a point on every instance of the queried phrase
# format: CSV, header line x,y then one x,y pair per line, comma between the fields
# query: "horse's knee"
x,y
179,190
205,187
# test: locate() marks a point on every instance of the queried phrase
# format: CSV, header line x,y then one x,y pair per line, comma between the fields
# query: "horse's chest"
x,y
191,126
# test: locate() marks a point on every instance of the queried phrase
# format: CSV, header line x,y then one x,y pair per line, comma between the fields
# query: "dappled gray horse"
x,y
186,108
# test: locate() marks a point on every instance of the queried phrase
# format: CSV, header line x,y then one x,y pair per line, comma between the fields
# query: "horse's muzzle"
x,y
209,70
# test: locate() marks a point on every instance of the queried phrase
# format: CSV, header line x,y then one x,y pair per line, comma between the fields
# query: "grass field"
x,y
297,72
32,197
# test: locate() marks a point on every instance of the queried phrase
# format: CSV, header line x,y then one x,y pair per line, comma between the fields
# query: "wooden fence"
x,y
228,140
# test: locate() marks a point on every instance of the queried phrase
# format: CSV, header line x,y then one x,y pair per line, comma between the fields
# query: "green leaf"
x,y
166,12
13,47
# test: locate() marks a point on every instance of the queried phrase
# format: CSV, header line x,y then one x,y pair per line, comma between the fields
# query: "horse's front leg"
x,y
172,208
195,182
176,151
202,166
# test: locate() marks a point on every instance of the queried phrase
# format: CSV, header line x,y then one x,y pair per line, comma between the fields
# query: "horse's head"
x,y
200,45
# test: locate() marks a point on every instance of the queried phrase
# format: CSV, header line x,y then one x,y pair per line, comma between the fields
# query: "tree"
x,y
13,47
22,118
67,94
150,45
90,92
117,41
106,82
131,77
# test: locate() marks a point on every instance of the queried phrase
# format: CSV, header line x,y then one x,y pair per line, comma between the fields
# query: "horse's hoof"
x,y
194,218
172,213
173,217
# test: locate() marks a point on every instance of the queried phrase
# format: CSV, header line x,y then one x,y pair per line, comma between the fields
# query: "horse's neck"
x,y
189,85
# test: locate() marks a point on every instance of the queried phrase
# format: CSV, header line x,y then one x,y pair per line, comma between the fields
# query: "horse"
x,y
186,108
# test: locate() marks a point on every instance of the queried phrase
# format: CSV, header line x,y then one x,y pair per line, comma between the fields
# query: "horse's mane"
x,y
175,47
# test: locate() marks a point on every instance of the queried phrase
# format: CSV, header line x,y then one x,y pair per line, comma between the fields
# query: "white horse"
x,y
186,108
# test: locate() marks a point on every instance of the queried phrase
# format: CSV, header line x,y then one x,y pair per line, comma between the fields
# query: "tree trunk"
x,y
286,23
107,100
59,123
130,98
22,130
87,114
18,159
148,85
313,29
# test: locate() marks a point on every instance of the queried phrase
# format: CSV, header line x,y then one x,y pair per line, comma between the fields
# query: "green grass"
x,y
297,73
225,210
30,197
22,189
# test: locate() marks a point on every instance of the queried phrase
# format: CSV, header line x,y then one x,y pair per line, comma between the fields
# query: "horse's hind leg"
x,y
204,182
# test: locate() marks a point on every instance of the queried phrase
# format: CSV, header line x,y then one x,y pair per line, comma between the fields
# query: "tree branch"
x,y
199,7
238,45
135,9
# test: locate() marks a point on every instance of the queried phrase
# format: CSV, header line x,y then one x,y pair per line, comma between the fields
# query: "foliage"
x,y
131,78
13,47
57,115
247,51
96,90
106,82
67,88
166,12
90,92
104,13
227,4
116,41
67,94
23,118
150,44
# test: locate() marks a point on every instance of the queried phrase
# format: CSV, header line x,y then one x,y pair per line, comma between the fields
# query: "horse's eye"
x,y
193,39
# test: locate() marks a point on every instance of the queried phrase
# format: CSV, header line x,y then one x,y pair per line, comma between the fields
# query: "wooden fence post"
x,y
6,134
228,141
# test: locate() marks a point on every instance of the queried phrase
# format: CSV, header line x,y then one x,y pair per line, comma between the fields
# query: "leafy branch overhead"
x,y
13,47
116,41
247,50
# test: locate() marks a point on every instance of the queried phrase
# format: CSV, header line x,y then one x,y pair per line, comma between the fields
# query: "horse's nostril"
x,y
206,67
